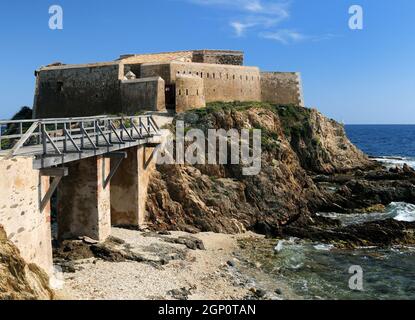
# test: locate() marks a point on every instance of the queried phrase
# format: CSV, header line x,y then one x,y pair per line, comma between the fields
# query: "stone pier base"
x,y
83,202
21,191
129,188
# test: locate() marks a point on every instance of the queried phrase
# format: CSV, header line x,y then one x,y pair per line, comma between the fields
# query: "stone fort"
x,y
179,81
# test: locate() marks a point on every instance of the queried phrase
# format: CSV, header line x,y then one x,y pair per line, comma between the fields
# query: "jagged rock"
x,y
308,166
19,280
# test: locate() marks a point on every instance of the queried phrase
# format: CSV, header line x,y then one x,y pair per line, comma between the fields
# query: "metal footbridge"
x,y
54,142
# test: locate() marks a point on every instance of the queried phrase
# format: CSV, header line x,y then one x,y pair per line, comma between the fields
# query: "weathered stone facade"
x,y
21,191
148,82
142,94
282,88
190,93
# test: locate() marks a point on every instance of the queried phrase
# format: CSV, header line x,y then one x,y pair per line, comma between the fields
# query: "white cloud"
x,y
239,27
286,36
259,14
261,17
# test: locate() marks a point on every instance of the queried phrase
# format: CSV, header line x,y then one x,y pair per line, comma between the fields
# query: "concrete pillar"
x,y
83,202
21,192
129,188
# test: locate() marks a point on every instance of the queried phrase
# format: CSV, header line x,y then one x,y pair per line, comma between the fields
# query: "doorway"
x,y
170,97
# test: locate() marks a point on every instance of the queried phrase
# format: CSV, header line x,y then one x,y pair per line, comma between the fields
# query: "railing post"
x,y
109,130
64,138
96,131
82,135
44,141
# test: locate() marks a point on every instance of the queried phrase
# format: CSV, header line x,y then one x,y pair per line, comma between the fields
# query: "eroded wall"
x,y
142,94
282,88
21,190
66,91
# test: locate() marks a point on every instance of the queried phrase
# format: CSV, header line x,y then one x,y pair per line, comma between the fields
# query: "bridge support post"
x,y
129,187
84,201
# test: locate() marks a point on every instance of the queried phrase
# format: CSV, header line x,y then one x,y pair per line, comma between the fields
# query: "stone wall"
x,y
190,93
282,88
202,56
142,94
184,56
21,191
223,82
219,57
84,90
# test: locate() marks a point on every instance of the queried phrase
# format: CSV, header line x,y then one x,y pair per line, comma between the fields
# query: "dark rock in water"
x,y
278,291
407,169
377,233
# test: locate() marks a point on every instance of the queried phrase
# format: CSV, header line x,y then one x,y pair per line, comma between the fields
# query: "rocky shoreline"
x,y
308,166
211,228
161,265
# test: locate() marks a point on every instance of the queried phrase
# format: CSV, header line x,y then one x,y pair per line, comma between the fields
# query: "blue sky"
x,y
364,76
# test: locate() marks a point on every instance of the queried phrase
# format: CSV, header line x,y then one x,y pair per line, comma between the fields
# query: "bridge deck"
x,y
53,142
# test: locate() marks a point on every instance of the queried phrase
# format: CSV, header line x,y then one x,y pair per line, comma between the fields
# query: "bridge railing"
x,y
68,135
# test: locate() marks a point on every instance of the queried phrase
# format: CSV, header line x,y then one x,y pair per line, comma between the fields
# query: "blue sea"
x,y
392,144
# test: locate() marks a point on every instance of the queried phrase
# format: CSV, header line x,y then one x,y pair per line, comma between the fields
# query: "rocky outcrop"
x,y
219,198
19,280
320,143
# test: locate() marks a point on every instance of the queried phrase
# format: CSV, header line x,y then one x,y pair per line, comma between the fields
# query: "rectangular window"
x,y
187,92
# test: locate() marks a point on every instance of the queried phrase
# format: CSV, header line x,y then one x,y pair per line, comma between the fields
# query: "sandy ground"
x,y
200,274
